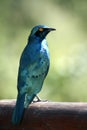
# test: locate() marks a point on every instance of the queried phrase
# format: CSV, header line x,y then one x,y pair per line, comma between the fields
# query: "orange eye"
x,y
41,29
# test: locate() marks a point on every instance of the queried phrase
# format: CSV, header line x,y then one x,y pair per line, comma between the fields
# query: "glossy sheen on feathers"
x,y
33,68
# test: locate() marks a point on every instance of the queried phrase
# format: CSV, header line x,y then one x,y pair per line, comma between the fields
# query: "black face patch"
x,y
38,33
42,32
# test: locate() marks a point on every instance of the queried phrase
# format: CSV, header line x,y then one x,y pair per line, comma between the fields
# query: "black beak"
x,y
51,29
47,30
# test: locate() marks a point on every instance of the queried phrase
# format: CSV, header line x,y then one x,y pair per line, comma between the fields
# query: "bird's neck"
x,y
34,39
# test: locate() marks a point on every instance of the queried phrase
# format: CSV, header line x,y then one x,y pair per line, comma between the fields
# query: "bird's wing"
x,y
24,64
32,66
30,70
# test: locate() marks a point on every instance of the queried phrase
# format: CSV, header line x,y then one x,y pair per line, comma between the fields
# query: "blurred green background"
x,y
67,78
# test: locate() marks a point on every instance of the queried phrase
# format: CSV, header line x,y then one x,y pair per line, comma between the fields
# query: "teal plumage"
x,y
33,68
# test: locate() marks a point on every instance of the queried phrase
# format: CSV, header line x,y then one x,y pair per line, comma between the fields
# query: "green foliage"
x,y
67,78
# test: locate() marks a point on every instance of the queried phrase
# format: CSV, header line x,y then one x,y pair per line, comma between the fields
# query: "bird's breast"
x,y
41,61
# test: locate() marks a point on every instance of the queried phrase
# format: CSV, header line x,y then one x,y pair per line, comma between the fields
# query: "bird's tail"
x,y
18,110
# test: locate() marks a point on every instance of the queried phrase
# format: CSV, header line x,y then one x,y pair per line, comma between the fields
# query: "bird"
x,y
33,68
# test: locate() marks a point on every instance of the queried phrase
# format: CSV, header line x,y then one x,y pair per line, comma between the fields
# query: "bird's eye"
x,y
39,32
41,29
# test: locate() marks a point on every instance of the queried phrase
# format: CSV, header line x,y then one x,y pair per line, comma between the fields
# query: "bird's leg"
x,y
38,99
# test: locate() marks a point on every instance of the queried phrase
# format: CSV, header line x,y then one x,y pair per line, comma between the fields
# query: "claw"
x,y
39,100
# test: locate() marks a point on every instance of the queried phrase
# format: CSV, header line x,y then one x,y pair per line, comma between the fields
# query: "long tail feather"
x,y
18,110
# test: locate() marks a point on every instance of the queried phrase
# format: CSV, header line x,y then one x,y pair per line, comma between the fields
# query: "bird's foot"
x,y
39,100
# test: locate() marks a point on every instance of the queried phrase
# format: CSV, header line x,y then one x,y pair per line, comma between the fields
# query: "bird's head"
x,y
41,31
